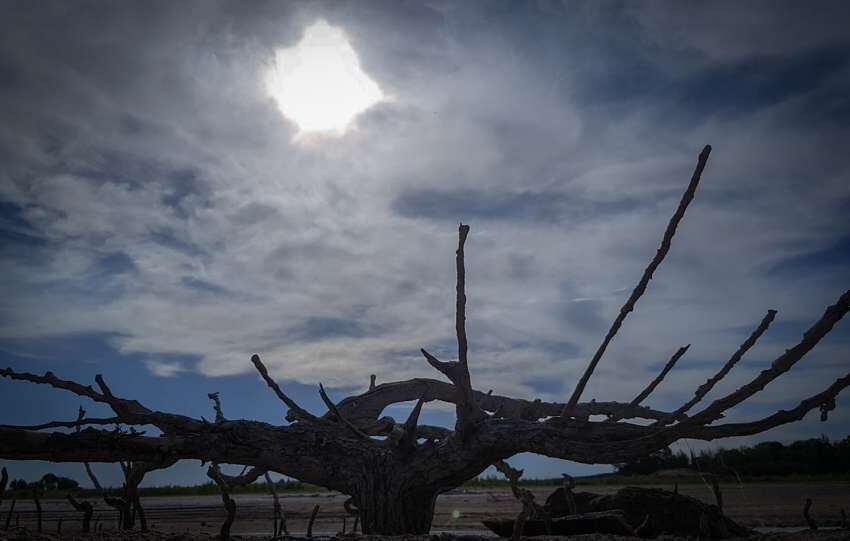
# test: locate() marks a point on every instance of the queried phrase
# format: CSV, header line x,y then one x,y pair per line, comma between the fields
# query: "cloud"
x,y
165,369
152,191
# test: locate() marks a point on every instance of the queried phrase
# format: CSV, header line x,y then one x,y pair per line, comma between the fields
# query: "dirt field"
x,y
753,505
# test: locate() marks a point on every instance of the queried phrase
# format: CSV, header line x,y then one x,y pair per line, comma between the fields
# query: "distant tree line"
x,y
805,457
52,482
48,481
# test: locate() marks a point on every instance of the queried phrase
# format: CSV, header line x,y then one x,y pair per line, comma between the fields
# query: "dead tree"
x,y
310,522
569,498
530,509
9,515
36,498
4,478
809,520
353,511
134,473
84,507
226,484
394,470
278,516
119,504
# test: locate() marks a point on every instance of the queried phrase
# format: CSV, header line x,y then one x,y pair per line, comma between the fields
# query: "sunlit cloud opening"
x,y
318,83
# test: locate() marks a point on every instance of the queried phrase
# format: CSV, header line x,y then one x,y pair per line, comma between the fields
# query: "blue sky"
x,y
159,223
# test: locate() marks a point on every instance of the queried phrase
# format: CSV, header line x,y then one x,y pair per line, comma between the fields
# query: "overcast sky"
x,y
160,222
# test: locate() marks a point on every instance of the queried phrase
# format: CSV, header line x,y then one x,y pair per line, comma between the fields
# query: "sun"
x,y
318,84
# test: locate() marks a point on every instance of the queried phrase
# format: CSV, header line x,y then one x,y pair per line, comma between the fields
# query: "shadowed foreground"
x,y
753,505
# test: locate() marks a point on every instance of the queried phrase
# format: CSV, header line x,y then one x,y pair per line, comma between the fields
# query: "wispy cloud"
x,y
151,189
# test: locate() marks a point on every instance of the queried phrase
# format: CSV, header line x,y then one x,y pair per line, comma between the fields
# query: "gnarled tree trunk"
x,y
387,509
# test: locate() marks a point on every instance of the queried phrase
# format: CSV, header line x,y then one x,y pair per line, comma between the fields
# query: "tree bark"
x,y
386,510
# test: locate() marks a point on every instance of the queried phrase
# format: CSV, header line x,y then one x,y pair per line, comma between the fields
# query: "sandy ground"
x,y
460,512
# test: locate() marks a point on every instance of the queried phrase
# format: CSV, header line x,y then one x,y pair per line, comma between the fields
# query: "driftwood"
x,y
36,498
134,473
4,479
119,504
809,520
569,498
652,511
129,505
84,507
605,522
278,516
312,519
351,510
715,489
226,483
9,514
394,470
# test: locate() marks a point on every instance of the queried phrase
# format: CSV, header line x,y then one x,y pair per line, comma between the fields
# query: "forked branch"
x,y
468,412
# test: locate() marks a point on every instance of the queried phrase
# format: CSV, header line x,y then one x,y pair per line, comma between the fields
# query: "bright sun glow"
x,y
318,83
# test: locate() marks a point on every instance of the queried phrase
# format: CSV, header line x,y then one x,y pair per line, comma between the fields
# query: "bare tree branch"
x,y
467,411
128,411
4,478
460,302
781,364
365,408
84,507
66,424
294,408
708,385
658,379
278,516
119,504
408,438
219,415
781,417
226,484
644,281
332,408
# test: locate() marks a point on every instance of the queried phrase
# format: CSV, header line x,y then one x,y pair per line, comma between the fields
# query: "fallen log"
x,y
668,512
606,522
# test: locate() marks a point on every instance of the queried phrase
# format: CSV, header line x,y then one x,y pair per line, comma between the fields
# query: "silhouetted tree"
x,y
394,470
